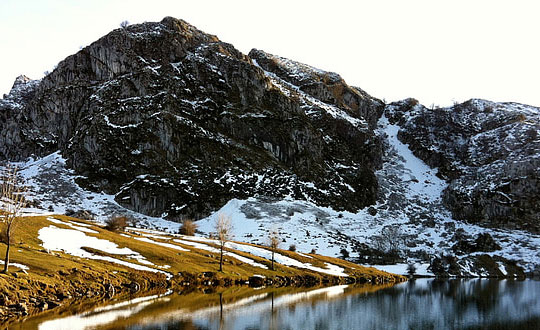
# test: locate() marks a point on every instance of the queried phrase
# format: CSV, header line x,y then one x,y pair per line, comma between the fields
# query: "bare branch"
x,y
224,228
273,242
12,202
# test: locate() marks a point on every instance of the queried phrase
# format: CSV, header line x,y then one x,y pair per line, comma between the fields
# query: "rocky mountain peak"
x,y
176,123
170,122
20,80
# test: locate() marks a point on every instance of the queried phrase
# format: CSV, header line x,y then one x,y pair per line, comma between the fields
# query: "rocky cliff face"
x,y
175,123
488,152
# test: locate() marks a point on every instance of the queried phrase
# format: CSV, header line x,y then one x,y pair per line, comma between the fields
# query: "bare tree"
x,y
12,201
273,242
223,229
390,240
124,24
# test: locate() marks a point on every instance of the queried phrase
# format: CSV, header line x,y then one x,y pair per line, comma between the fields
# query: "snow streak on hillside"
x,y
421,181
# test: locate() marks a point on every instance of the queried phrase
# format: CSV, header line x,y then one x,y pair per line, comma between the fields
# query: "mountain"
x,y
176,123
163,121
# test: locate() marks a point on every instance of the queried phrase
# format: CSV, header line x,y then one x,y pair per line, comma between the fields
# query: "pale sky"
x,y
439,52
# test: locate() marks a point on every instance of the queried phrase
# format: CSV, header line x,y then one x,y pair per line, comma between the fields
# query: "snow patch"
x,y
72,241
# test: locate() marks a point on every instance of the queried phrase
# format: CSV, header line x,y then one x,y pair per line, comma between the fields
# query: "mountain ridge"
x,y
180,130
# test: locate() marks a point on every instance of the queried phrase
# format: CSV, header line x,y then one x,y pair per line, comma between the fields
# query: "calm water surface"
x,y
419,304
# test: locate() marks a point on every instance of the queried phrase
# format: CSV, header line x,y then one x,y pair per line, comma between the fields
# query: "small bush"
x,y
412,102
188,228
411,269
292,248
313,251
344,253
116,223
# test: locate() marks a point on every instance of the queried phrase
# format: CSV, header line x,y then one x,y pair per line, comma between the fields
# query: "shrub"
x,y
189,227
116,223
344,253
411,269
292,248
313,251
412,102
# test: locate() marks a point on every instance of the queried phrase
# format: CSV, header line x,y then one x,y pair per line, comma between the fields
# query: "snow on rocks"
x,y
420,178
410,201
309,101
53,185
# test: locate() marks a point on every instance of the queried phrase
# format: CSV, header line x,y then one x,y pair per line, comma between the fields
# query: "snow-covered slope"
x,y
489,153
52,189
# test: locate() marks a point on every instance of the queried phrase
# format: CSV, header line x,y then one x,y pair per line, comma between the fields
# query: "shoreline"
x,y
69,295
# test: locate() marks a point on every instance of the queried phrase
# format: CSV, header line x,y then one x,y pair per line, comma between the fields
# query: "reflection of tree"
x,y
273,321
480,295
221,321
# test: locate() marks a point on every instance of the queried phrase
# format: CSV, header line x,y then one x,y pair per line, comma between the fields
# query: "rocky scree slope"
x,y
488,152
175,123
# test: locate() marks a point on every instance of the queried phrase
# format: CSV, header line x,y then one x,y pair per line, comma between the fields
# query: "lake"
x,y
417,304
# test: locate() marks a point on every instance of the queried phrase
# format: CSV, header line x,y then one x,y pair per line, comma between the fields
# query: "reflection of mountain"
x,y
419,304
440,304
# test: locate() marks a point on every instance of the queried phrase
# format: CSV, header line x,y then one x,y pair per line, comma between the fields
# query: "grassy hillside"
x,y
90,262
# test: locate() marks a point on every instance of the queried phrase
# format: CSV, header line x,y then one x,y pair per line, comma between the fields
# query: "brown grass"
x,y
188,228
116,223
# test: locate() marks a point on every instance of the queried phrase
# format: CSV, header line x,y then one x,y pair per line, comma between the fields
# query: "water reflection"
x,y
420,304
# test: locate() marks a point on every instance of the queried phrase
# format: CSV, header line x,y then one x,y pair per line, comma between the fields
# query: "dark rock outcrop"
x,y
479,265
488,152
482,243
175,123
